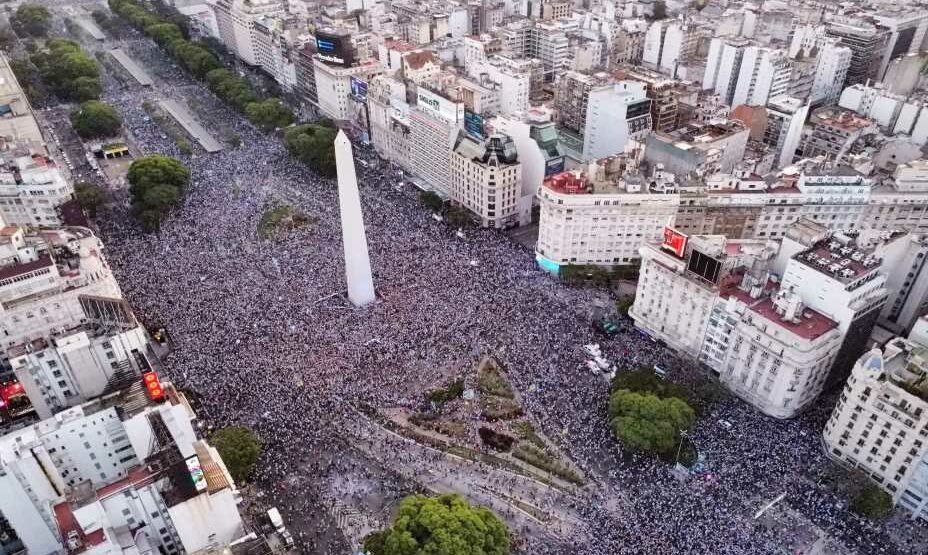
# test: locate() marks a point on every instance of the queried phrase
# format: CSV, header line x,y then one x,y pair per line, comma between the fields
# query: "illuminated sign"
x,y
359,89
153,386
547,264
473,124
674,241
331,48
439,106
554,166
196,473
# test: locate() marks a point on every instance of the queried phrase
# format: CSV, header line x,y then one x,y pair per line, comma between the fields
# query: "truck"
x,y
276,521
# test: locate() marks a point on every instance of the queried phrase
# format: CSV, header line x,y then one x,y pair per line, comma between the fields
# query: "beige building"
x,y
880,424
17,123
486,178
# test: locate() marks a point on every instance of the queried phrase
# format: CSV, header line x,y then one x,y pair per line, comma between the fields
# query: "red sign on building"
x,y
153,386
674,241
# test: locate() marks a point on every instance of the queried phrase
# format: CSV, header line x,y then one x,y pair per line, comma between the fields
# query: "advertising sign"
x,y
359,89
196,473
439,106
331,48
674,241
473,124
153,385
554,166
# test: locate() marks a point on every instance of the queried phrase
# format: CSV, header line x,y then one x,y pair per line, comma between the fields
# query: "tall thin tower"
x,y
354,239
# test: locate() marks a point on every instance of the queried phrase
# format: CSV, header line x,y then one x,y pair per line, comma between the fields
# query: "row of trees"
x,y
266,113
156,184
67,70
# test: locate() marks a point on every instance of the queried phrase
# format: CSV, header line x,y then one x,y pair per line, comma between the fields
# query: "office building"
x,y
236,22
867,43
434,123
333,85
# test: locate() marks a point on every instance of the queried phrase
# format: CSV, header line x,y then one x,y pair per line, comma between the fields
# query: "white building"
x,y
763,73
31,189
236,22
43,278
434,123
831,65
17,122
514,87
124,474
486,178
615,114
389,119
880,424
77,365
599,220
333,85
723,66
786,117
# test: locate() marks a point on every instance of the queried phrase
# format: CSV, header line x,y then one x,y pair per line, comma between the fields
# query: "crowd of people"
x,y
264,336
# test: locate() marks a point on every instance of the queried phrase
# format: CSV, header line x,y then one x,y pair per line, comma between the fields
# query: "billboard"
x,y
473,124
196,473
153,386
704,266
439,106
359,89
554,166
333,49
674,241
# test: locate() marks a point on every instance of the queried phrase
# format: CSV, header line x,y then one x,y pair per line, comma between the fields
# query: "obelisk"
x,y
354,240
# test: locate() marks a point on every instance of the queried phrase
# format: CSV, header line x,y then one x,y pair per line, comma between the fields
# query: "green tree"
x,y
458,216
94,119
645,381
314,145
647,423
239,448
871,501
156,184
431,200
89,196
62,65
269,114
443,525
85,88
31,19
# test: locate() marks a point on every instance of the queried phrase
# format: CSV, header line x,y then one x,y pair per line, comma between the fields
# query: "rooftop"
x,y
844,262
809,325
840,118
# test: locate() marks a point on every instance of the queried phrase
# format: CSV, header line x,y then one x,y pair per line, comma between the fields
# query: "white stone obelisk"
x,y
354,240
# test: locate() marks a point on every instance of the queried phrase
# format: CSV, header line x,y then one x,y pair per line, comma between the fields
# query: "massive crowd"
x,y
262,335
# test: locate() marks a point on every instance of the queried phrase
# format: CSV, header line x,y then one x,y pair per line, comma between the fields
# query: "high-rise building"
x,y
571,98
333,85
615,114
763,73
831,66
880,423
32,188
434,124
907,30
236,22
723,66
486,178
867,43
786,117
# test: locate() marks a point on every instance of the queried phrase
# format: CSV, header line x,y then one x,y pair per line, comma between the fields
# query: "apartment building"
x,y
615,115
832,131
123,474
880,423
32,188
236,22
763,73
786,116
704,149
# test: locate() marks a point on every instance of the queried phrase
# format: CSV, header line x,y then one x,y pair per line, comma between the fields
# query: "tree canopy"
x,y
94,119
31,19
445,525
89,196
871,501
314,145
431,200
269,114
69,72
156,184
239,448
644,422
